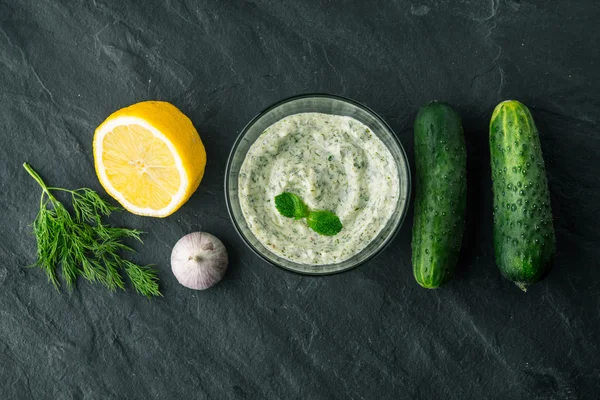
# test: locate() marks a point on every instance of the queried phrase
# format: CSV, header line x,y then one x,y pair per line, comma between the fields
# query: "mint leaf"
x,y
324,223
291,206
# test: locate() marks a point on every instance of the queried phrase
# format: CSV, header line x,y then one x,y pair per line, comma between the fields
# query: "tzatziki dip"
x,y
333,163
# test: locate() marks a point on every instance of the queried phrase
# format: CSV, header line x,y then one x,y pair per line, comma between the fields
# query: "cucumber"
x,y
524,238
441,193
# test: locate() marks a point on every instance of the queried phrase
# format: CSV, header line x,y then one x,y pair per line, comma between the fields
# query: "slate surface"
x,y
370,333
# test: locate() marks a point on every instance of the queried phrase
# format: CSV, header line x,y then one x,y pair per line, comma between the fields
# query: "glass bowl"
x,y
327,104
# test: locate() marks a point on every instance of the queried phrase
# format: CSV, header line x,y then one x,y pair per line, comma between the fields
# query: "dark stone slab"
x,y
370,333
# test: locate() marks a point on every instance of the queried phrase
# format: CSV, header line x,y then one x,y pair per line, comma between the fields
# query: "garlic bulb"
x,y
199,260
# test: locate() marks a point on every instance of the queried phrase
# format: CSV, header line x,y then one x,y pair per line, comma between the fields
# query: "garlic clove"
x,y
199,260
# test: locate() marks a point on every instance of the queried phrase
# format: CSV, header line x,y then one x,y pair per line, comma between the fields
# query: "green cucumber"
x,y
441,193
524,238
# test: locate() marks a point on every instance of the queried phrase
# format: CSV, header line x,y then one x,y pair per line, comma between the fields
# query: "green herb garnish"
x,y
82,245
291,206
323,222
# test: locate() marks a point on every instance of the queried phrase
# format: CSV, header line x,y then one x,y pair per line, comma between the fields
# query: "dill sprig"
x,y
84,246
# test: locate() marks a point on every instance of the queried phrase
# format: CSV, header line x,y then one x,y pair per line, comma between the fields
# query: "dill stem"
x,y
39,180
64,190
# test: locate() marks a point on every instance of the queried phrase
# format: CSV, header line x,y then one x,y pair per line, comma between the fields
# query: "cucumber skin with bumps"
x,y
440,198
524,237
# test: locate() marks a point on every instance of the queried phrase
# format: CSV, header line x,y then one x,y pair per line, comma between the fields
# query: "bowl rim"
x,y
286,100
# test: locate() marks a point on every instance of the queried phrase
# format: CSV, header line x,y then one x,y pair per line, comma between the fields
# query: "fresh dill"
x,y
83,245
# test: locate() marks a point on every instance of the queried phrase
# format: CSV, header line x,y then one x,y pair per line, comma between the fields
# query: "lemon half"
x,y
149,157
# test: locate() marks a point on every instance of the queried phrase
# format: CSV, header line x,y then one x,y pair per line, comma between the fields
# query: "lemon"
x,y
149,157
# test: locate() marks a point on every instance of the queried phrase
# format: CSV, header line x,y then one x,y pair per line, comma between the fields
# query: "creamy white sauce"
x,y
333,163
